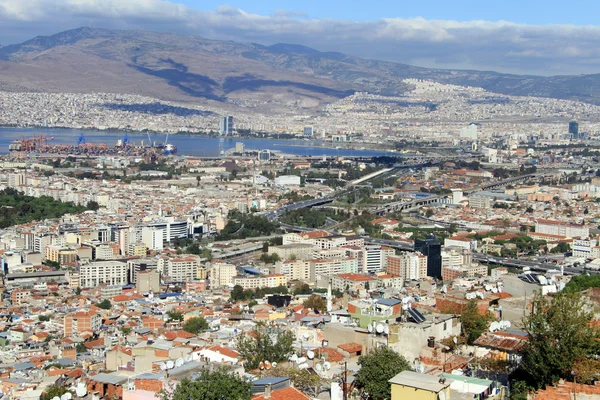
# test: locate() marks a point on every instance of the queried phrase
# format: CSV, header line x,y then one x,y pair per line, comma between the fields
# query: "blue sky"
x,y
539,12
525,37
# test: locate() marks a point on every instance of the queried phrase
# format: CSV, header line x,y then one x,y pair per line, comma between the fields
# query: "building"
x,y
81,321
138,265
449,273
148,281
180,269
408,265
480,202
333,266
221,274
416,386
375,258
240,147
153,238
260,281
295,251
264,156
226,126
295,270
574,130
351,281
308,132
584,248
61,255
469,132
288,180
431,248
561,228
103,272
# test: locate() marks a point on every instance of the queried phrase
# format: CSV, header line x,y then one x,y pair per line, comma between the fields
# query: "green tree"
x,y
316,303
93,205
105,304
376,369
264,344
473,323
560,333
195,325
211,385
53,391
77,291
174,315
429,213
237,293
301,288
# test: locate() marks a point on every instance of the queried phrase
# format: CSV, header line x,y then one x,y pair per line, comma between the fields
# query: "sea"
x,y
187,145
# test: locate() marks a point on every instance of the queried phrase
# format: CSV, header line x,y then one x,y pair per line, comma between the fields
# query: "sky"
x,y
525,37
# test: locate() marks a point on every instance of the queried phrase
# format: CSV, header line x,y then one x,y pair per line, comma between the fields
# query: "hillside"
x,y
186,68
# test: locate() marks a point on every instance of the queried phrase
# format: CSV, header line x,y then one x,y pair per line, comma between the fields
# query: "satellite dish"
x,y
305,336
170,364
163,366
301,360
56,398
64,397
327,365
494,290
303,366
179,362
68,396
379,328
267,365
293,357
494,326
318,367
386,330
274,365
441,396
455,340
404,306
310,354
370,328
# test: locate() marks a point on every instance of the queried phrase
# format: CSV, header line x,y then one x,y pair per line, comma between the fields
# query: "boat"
x,y
169,149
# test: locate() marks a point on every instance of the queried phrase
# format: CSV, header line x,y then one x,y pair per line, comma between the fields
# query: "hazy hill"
x,y
178,67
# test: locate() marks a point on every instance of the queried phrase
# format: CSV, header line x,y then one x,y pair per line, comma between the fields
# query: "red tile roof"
x,y
288,393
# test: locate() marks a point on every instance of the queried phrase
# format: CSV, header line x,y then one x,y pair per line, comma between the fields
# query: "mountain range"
x,y
193,69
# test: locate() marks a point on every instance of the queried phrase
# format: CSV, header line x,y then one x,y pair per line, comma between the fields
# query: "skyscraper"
x,y
431,248
226,127
574,129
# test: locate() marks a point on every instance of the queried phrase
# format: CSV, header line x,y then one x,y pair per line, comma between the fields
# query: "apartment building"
x,y
221,274
260,281
335,266
180,269
297,251
295,270
449,273
375,258
103,272
408,265
81,321
561,228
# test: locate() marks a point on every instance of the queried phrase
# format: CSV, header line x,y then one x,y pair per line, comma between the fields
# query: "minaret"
x,y
329,298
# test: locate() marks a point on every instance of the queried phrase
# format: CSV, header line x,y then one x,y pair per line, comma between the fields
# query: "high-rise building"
x,y
308,132
226,127
431,248
264,155
574,129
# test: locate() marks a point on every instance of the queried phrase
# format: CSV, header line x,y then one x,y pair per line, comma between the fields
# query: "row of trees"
x,y
241,226
313,218
16,208
238,293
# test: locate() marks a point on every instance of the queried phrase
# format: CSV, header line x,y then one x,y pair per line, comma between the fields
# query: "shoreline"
x,y
294,142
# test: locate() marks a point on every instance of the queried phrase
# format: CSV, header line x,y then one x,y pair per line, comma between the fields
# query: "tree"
x,y
559,333
174,315
302,379
376,369
429,213
219,384
195,325
77,291
301,288
316,303
367,286
265,345
105,304
53,391
473,323
93,205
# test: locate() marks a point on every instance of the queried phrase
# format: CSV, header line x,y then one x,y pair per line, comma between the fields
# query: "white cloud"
x,y
499,45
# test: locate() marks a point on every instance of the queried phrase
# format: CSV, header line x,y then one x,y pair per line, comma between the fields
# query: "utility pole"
x,y
344,381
